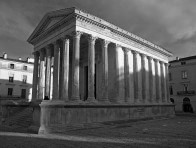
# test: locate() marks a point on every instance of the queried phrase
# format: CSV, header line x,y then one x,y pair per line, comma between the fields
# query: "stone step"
x,y
22,118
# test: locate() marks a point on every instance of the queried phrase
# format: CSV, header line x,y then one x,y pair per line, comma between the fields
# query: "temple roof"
x,y
53,18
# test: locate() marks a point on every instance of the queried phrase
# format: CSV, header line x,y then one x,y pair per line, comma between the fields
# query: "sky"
x,y
168,23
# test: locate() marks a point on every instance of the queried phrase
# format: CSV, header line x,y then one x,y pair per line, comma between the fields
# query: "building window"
x,y
23,93
185,87
24,79
24,67
171,90
11,79
183,63
12,66
170,76
184,75
10,92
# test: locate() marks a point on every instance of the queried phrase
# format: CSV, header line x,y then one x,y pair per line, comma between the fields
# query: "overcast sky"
x,y
168,23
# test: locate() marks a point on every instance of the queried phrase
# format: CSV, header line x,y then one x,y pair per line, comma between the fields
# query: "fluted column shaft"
x,y
48,72
119,74
56,71
143,71
150,77
162,82
167,82
41,76
65,69
157,80
135,76
76,66
91,68
35,76
104,79
126,75
131,78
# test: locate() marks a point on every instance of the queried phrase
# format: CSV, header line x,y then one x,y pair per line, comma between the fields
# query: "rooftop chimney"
x,y
5,55
177,58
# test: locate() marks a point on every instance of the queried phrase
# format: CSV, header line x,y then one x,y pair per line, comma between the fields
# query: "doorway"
x,y
187,107
23,93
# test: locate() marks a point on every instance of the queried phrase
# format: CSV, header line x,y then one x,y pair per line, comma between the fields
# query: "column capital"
x,y
156,60
126,50
42,54
91,39
142,55
134,52
166,64
66,37
161,62
56,43
118,45
105,43
36,53
149,58
48,50
76,34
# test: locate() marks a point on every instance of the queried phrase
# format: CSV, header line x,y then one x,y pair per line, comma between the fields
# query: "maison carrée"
x,y
100,73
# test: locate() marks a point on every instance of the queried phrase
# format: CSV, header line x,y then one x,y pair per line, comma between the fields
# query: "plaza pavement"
x,y
178,132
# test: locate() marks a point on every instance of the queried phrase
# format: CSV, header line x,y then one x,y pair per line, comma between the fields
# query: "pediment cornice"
x,y
79,15
44,28
88,18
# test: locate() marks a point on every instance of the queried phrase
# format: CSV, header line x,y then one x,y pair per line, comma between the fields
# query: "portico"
x,y
98,68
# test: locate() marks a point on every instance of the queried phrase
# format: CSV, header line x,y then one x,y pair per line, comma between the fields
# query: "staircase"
x,y
21,117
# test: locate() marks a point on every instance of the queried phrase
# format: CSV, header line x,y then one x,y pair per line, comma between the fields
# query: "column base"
x,y
104,101
75,98
91,99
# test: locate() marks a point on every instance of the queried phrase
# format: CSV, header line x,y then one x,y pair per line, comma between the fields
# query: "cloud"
x,y
176,15
169,23
13,23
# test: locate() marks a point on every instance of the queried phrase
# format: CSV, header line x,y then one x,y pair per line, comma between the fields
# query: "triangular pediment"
x,y
49,21
52,22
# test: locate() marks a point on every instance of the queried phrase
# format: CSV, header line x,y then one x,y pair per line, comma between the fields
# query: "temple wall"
x,y
60,118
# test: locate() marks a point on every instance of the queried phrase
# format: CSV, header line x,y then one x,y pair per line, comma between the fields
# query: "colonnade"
x,y
145,78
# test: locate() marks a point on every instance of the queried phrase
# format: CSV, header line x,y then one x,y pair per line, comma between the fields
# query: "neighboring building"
x,y
15,78
182,83
101,72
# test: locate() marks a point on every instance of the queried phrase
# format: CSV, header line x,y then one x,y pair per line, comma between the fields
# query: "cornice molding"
x,y
125,34
80,15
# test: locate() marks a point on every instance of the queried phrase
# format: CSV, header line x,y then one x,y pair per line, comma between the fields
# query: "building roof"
x,y
73,11
184,59
16,60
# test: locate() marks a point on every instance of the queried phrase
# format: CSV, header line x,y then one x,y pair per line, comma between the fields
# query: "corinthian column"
x,y
76,66
157,81
162,82
48,71
35,76
126,75
56,69
143,71
119,74
104,96
167,82
65,69
91,68
41,75
135,76
150,78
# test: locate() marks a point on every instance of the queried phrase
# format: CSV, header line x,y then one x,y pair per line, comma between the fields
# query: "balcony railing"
x,y
186,93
